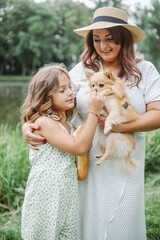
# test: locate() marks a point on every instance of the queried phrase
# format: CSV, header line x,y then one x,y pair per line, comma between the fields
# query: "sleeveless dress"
x,y
111,202
51,207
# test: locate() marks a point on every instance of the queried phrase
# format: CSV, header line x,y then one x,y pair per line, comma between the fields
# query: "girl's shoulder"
x,y
50,122
43,121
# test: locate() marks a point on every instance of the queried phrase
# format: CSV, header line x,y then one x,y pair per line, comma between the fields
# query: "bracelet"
x,y
94,114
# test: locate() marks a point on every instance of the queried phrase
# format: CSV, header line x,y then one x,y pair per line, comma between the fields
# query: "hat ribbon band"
x,y
108,19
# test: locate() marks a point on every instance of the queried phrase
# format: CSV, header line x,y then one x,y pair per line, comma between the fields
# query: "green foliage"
x,y
152,202
14,167
15,79
10,226
33,34
104,3
149,19
153,151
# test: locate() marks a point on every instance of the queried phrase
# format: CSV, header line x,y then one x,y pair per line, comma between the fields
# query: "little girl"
x,y
51,208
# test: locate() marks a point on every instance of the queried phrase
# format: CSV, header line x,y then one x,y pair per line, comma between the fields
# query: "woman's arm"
x,y
33,140
148,121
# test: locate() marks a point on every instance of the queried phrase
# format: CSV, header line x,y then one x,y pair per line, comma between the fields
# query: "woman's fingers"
x,y
33,146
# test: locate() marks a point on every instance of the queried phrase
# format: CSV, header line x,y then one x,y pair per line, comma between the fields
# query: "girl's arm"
x,y
77,145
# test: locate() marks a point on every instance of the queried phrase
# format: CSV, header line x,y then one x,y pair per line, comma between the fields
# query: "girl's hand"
x,y
96,102
32,139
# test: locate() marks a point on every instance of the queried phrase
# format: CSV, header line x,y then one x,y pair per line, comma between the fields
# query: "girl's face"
x,y
63,97
105,46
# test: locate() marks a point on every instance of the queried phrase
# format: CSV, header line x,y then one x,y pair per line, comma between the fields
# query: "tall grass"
x,y
152,158
152,205
14,169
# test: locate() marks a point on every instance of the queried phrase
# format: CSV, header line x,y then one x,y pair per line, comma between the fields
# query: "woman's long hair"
x,y
127,59
39,100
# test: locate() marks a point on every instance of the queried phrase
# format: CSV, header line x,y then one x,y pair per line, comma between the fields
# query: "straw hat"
x,y
107,17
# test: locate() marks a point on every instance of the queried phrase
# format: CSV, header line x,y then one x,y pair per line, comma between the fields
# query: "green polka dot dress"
x,y
51,209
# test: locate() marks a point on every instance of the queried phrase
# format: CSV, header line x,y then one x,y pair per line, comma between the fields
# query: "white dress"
x,y
51,207
111,203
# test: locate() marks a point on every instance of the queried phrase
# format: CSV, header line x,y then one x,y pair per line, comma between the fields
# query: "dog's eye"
x,y
101,85
93,85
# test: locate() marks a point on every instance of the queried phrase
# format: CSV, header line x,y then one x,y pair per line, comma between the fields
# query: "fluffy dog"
x,y
119,145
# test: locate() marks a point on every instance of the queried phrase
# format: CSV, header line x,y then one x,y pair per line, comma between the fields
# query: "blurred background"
x,y
33,33
37,32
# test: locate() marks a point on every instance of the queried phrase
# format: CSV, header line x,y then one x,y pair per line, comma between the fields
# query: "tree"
x,y
34,34
69,45
149,20
5,34
107,3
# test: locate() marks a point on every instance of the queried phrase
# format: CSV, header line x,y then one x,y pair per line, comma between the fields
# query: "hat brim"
x,y
137,33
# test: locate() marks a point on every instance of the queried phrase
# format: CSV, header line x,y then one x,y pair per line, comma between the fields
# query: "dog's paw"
x,y
107,130
99,155
99,161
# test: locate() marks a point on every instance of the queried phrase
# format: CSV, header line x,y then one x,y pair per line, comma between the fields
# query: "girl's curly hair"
x,y
39,100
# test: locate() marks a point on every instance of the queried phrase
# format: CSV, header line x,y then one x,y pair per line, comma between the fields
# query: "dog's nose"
x,y
95,89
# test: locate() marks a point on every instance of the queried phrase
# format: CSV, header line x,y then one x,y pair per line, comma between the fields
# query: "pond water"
x,y
11,98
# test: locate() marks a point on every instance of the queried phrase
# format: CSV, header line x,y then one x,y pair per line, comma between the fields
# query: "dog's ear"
x,y
110,75
89,75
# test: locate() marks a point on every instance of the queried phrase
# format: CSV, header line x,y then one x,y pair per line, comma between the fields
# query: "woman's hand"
x,y
29,135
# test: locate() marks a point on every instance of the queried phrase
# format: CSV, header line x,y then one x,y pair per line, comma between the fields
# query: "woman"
x,y
112,203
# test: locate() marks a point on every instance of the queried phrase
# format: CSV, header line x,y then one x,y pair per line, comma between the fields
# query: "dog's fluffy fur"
x,y
119,145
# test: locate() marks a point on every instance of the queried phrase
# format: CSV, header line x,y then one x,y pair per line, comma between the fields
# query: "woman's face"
x,y
105,46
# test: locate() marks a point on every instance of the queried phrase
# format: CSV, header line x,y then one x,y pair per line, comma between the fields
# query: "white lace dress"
x,y
111,203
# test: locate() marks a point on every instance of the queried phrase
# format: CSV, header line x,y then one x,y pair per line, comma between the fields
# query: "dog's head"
x,y
101,80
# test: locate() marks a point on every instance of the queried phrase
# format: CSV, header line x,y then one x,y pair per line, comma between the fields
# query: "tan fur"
x,y
119,145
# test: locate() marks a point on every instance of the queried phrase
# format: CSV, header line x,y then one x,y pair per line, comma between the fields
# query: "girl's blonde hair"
x,y
127,59
39,100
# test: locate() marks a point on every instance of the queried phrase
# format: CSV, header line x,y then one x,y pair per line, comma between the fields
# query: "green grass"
x,y
14,79
152,201
14,169
10,225
10,221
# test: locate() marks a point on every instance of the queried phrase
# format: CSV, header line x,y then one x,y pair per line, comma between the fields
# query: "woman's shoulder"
x,y
147,68
77,67
77,72
145,65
